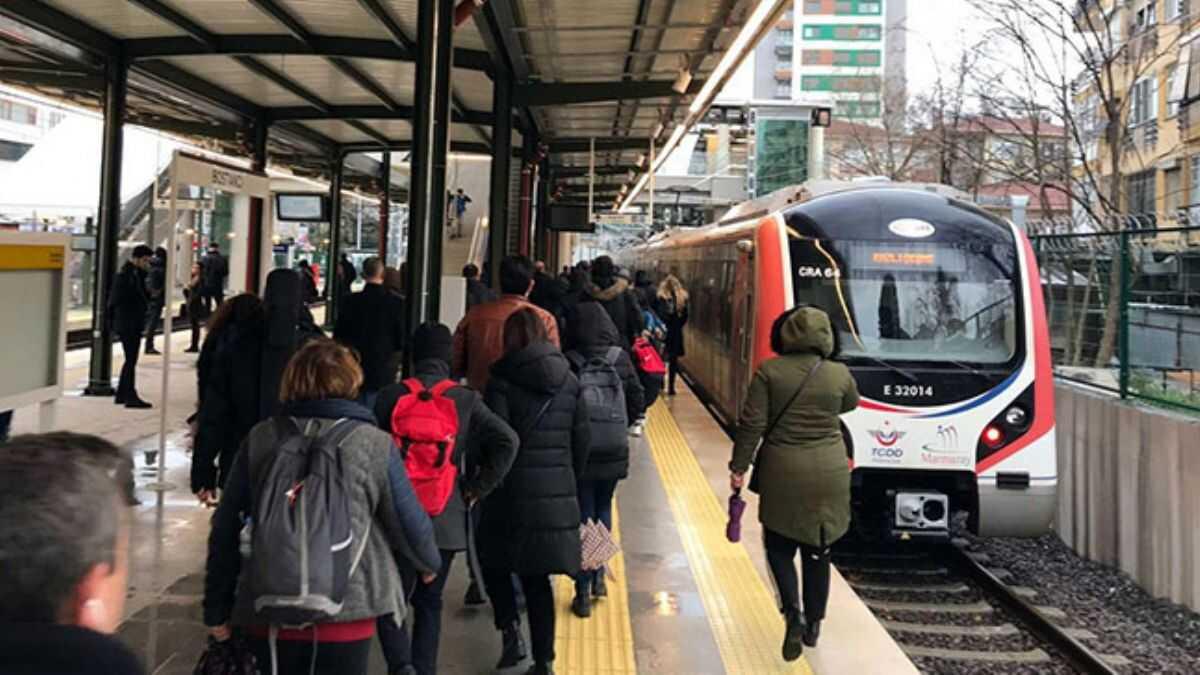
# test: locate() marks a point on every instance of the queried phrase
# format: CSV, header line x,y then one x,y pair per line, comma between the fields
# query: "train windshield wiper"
x,y
969,368
895,369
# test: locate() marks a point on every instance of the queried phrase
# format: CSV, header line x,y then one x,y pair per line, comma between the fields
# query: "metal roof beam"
x,y
61,26
406,146
62,79
183,23
496,26
369,112
583,172
389,23
288,45
365,81
263,70
370,132
567,93
565,145
284,18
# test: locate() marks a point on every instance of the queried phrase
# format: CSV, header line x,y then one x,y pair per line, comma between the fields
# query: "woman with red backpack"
x,y
480,450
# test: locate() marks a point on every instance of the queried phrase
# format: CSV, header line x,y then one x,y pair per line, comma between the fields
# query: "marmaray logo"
x,y
947,440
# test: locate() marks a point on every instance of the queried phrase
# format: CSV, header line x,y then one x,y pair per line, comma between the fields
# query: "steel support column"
x,y
542,219
258,163
385,204
116,86
334,273
528,185
501,167
431,141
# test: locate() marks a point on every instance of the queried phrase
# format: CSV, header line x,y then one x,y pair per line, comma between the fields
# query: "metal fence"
x,y
1124,307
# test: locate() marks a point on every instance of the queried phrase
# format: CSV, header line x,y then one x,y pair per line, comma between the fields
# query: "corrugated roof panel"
x,y
474,88
225,72
467,36
405,13
117,18
336,17
316,74
225,17
340,132
397,77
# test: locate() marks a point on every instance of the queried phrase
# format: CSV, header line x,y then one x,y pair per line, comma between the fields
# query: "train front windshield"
x,y
944,300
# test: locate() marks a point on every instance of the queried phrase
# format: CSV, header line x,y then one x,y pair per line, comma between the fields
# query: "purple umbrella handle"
x,y
737,506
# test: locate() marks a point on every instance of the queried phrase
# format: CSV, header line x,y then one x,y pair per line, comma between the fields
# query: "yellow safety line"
x,y
742,612
602,643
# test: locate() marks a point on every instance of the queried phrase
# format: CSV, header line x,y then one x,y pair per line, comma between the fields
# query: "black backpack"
x,y
605,396
303,550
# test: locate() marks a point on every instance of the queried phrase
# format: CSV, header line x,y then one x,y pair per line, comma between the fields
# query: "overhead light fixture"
x,y
682,81
754,25
752,30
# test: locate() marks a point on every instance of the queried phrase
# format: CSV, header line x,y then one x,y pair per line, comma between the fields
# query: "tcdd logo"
x,y
887,436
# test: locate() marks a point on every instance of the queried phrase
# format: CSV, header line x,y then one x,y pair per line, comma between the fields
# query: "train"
x,y
939,314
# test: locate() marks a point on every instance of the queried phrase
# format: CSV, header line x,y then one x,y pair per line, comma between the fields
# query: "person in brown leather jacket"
x,y
479,339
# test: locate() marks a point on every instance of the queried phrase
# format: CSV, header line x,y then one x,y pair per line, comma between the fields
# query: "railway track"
x,y
950,612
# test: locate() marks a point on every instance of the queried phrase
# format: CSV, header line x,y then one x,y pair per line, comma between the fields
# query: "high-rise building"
x,y
850,52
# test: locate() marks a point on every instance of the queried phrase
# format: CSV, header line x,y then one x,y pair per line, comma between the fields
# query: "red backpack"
x,y
648,359
424,427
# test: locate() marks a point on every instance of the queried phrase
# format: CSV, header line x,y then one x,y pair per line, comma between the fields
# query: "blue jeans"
x,y
595,503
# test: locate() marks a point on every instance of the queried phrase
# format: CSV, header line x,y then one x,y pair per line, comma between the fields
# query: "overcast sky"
x,y
937,31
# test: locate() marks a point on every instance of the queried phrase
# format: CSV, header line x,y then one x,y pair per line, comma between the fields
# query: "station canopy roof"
x,y
340,74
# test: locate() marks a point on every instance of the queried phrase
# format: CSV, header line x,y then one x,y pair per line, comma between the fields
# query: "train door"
x,y
743,332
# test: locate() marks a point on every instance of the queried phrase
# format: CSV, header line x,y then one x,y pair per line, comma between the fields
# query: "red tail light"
x,y
993,437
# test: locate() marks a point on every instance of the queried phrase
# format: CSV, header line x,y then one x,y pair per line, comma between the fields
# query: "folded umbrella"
x,y
737,506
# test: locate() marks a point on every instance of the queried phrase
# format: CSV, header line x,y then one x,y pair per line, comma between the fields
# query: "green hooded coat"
x,y
803,473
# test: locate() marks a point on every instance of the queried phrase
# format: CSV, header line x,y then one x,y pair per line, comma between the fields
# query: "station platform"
x,y
684,600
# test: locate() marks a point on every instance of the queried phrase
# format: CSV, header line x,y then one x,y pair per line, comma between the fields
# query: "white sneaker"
x,y
636,429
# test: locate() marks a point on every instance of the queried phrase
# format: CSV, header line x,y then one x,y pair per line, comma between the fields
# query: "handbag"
x,y
230,657
756,471
597,545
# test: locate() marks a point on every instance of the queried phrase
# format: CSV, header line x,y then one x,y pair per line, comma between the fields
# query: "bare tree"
x,y
1058,53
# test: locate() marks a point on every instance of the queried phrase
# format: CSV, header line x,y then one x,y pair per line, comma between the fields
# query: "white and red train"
x,y
939,313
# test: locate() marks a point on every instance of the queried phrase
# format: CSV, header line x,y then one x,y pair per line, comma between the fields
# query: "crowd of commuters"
x,y
507,435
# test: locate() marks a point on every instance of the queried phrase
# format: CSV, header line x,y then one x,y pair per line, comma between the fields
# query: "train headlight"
x,y
1016,417
993,437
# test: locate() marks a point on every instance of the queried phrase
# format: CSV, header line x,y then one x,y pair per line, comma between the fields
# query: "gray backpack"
x,y
605,396
302,553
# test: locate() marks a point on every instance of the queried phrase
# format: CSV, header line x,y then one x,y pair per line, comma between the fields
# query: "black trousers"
x,y
425,602
814,562
153,319
332,658
539,603
194,321
672,371
131,345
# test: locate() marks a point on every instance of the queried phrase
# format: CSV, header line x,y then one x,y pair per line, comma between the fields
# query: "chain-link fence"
x,y
1123,306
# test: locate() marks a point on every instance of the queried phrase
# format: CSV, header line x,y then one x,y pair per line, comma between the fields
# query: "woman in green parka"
x,y
802,477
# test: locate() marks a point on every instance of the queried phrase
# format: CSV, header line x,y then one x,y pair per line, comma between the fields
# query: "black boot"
x,y
599,585
474,596
812,632
793,644
541,668
514,647
582,604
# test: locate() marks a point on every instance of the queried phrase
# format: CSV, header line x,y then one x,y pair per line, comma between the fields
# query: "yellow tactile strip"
x,y
602,643
741,610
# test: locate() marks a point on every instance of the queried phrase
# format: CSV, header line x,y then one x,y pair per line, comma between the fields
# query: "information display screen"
x,y
570,219
304,208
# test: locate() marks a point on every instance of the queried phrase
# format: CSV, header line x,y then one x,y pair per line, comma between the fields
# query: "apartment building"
x,y
1153,48
850,52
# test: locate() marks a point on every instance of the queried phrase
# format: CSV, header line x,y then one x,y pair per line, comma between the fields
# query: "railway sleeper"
x,y
1031,656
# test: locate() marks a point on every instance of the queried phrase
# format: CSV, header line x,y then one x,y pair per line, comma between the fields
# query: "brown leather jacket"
x,y
479,339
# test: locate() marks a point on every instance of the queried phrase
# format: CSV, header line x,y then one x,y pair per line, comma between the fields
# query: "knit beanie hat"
x,y
432,340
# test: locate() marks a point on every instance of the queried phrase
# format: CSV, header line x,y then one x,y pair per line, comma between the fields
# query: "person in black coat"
x,y
644,288
156,295
530,524
243,387
484,450
128,304
372,322
346,275
615,294
216,271
549,294
591,334
477,292
671,305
